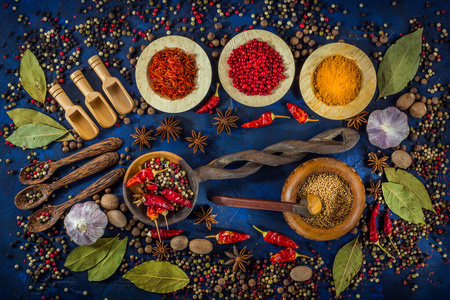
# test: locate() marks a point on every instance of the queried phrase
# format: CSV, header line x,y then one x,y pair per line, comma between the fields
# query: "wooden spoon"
x,y
308,207
56,211
110,144
89,168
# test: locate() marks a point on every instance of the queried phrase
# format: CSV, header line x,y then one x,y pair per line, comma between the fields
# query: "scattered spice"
x,y
277,239
377,164
142,137
229,237
357,120
299,114
211,103
373,235
163,233
287,254
172,73
206,217
265,119
238,258
336,197
375,189
197,141
161,250
168,129
337,80
225,121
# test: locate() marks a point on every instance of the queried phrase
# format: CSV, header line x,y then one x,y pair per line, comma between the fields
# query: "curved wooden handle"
x,y
99,68
278,154
81,82
102,162
107,145
99,185
60,96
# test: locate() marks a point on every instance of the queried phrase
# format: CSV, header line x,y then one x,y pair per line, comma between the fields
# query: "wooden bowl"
x,y
278,45
321,165
141,211
368,85
203,74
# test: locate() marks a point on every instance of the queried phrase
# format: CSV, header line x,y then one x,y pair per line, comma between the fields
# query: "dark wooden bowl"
x,y
321,165
141,211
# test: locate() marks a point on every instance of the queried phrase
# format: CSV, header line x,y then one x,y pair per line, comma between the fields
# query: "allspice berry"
x,y
418,110
218,26
405,101
211,36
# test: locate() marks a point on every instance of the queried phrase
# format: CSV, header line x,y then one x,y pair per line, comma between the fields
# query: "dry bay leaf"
x,y
105,268
85,257
32,76
346,265
413,184
402,202
33,136
399,64
24,116
157,277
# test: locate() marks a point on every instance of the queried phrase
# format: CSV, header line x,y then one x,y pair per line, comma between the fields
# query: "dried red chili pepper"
x,y
157,201
288,254
265,119
164,233
152,213
388,228
373,234
211,103
229,237
175,197
151,187
299,114
143,176
277,239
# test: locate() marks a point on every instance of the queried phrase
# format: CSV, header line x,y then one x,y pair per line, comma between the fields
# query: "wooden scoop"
x,y
107,145
112,87
75,115
308,207
94,101
56,211
92,167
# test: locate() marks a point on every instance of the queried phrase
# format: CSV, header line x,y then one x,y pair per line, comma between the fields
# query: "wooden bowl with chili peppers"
x,y
189,87
311,169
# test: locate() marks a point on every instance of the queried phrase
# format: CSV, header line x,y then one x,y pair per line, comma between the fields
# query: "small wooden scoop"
x,y
56,211
107,145
112,87
92,167
94,101
308,207
75,115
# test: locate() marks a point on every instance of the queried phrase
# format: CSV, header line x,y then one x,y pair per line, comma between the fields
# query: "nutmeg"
x,y
418,110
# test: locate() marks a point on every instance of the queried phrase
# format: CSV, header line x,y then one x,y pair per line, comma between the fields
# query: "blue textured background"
x,y
267,183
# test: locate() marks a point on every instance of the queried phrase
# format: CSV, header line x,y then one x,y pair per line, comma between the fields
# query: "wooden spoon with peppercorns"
x,y
107,145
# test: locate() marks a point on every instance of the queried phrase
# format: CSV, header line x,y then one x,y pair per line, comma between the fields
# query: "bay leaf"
x,y
32,76
413,184
105,268
401,201
346,265
85,257
33,136
24,116
157,277
399,64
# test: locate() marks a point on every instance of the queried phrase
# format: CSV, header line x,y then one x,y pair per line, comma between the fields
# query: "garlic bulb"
x,y
387,128
85,223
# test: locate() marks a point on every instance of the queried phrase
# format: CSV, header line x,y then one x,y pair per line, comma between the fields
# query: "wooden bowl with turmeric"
x,y
341,191
338,81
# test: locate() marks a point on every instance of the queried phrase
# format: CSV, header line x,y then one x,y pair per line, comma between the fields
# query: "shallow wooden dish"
x,y
368,85
203,75
278,45
321,165
141,211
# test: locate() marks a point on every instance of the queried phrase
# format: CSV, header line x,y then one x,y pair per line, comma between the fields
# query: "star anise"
x,y
357,120
375,189
225,121
376,163
197,141
238,258
206,217
161,250
142,137
168,129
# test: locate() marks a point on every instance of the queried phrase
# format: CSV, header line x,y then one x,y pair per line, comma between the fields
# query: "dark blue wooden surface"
x,y
267,183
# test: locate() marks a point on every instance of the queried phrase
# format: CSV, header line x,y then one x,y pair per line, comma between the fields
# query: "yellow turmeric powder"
x,y
337,80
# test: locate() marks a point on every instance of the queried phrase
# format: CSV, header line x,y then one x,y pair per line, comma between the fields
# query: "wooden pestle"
x,y
75,115
94,101
112,87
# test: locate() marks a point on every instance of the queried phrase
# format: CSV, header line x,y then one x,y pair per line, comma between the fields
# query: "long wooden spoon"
x,y
56,211
308,207
45,190
107,145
